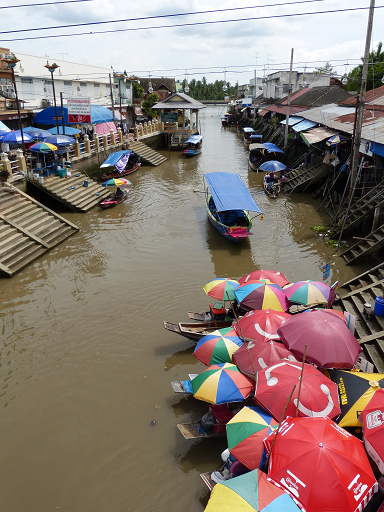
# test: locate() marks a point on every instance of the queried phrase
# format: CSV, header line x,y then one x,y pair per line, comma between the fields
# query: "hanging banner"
x,y
79,110
326,271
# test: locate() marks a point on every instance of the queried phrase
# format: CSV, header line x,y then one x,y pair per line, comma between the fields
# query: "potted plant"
x,y
4,174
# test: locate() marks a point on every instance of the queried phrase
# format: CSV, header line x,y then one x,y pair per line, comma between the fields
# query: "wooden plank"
x,y
352,281
193,430
375,357
363,289
371,337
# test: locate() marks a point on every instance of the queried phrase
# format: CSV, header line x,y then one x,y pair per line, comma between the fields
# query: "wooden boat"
x,y
194,146
262,152
194,331
219,416
247,132
119,164
274,190
194,430
112,200
228,202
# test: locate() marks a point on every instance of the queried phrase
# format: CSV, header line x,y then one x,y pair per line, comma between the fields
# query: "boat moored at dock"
x,y
194,145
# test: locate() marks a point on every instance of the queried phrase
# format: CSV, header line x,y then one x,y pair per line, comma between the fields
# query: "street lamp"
x,y
120,77
11,60
51,68
186,88
225,81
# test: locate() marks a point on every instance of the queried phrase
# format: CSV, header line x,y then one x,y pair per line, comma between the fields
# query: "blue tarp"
x,y
293,120
248,129
255,136
114,158
304,125
99,114
272,148
194,139
377,148
229,192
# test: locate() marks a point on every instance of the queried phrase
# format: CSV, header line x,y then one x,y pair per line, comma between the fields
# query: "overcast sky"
x,y
197,50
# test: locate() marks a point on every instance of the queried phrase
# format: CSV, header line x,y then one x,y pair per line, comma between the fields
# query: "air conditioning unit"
x,y
45,103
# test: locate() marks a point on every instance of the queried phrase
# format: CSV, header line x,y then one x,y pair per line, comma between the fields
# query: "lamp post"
x,y
11,61
51,68
120,77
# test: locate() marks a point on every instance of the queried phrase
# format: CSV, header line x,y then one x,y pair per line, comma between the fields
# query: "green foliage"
x,y
147,105
333,243
375,72
319,229
202,90
325,70
137,90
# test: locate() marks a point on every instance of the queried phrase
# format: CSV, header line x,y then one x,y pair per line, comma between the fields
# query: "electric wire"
x,y
44,4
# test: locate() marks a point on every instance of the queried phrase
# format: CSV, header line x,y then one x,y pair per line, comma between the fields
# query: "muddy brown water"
x,y
86,363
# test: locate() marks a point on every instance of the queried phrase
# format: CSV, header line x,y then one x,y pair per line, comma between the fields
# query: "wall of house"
x,y
276,84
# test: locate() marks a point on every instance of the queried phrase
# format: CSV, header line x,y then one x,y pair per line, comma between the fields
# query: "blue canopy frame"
x,y
194,139
114,158
248,129
230,193
272,148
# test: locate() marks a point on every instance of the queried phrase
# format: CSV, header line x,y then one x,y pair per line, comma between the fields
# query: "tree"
x,y
325,70
375,71
137,90
147,105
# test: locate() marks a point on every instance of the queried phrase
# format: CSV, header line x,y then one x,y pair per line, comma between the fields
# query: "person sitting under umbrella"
x,y
119,192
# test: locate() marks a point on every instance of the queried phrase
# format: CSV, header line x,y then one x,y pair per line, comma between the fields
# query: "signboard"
x,y
326,271
79,110
169,117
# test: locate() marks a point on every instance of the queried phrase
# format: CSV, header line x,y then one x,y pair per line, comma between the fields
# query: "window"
x,y
26,80
28,90
96,86
67,83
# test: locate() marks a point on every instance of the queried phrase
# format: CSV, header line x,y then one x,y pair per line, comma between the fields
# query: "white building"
x,y
276,84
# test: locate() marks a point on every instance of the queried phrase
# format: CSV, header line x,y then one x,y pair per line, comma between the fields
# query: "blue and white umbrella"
x,y
36,133
272,166
59,140
15,137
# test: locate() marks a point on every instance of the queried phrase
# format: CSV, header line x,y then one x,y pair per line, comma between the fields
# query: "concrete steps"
x,y
71,191
178,142
27,230
369,331
371,244
148,155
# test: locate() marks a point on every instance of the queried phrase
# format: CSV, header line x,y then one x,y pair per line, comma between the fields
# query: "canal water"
x,y
86,364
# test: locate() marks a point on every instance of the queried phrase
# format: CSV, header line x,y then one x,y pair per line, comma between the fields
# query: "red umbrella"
x,y
372,419
318,395
330,343
272,275
262,353
261,324
322,467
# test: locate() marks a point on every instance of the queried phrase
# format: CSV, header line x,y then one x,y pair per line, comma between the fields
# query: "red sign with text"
x,y
79,110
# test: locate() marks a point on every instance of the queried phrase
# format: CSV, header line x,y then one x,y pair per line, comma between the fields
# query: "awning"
x,y
377,148
248,129
256,145
255,136
194,139
114,158
292,120
138,111
316,135
99,114
119,116
229,192
304,125
105,128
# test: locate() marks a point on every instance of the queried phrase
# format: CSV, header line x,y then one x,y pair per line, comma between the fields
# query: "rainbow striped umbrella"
x,y
308,292
116,182
246,432
221,384
43,147
221,288
217,348
259,295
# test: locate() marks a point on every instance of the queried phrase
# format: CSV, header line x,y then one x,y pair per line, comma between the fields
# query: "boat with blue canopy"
x,y
194,144
247,132
261,152
228,202
119,164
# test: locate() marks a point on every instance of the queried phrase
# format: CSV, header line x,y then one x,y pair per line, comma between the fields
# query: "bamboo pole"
x,y
301,381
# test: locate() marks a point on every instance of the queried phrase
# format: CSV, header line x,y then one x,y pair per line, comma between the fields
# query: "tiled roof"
x,y
373,97
179,100
157,83
318,96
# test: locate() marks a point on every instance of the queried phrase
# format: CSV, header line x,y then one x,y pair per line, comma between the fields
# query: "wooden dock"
x,y
27,230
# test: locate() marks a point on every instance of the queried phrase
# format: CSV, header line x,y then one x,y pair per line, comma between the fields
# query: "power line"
x,y
49,3
192,24
159,16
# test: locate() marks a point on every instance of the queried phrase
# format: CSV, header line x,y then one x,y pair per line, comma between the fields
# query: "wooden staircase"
x,y
72,192
148,155
371,244
361,211
27,230
369,331
301,178
178,142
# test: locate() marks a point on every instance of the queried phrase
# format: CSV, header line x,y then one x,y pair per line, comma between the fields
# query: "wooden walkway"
x,y
369,331
300,179
27,230
148,155
371,244
72,192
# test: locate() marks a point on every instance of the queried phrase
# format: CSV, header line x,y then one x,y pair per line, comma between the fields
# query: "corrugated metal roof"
x,y
282,109
292,120
304,125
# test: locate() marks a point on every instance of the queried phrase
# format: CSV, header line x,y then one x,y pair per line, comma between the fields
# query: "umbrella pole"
x,y
242,335
301,381
278,428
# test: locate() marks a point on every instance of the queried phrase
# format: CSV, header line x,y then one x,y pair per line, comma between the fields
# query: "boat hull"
x,y
273,192
109,202
191,152
234,233
116,174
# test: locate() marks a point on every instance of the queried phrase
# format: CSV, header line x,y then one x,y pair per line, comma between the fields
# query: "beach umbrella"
x,y
272,275
2,133
272,166
356,389
308,292
259,295
318,395
222,383
116,182
59,140
68,130
372,419
323,467
250,492
260,324
330,344
335,140
257,355
246,432
37,133
15,137
43,147
214,348
221,288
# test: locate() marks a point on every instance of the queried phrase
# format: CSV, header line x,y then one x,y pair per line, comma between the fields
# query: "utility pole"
x,y
255,89
288,103
113,105
361,100
62,113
